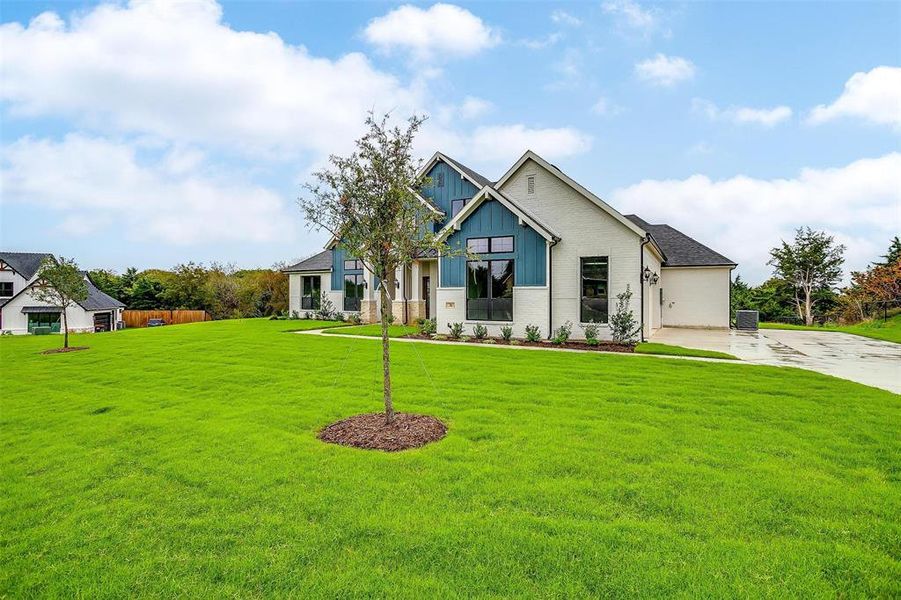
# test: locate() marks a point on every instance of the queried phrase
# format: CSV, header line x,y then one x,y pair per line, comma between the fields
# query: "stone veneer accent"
x,y
369,311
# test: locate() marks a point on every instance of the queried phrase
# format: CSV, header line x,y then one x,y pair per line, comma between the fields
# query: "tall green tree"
x,y
60,284
894,253
811,264
369,202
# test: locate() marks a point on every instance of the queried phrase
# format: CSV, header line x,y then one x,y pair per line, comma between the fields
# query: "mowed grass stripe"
x,y
562,474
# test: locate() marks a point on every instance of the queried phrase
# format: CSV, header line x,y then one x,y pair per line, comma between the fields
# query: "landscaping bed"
x,y
547,344
371,432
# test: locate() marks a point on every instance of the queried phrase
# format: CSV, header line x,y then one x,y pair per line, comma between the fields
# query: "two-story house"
x,y
543,250
21,312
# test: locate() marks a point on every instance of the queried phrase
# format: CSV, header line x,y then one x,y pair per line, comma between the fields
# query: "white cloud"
x,y
631,17
442,30
665,70
97,184
767,117
605,108
176,71
743,217
506,143
542,43
874,96
473,107
561,17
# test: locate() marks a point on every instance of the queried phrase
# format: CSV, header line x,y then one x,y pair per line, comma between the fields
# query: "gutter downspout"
x,y
730,298
644,242
550,289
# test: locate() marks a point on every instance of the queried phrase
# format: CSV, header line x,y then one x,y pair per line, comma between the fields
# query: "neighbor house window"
x,y
51,320
595,279
352,264
457,206
6,289
489,290
311,292
353,292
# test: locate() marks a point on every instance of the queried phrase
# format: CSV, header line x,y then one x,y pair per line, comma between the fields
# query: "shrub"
x,y
515,342
308,315
428,326
456,330
533,333
490,341
326,308
592,330
561,335
593,341
340,317
295,314
355,318
622,323
480,332
506,332
440,337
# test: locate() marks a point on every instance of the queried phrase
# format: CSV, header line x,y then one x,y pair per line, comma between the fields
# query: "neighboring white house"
x,y
20,312
549,251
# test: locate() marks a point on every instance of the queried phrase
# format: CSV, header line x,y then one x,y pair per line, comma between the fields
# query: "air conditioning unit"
x,y
747,319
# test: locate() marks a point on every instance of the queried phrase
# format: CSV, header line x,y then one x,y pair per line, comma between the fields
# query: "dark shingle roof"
x,y
98,300
475,176
317,262
681,250
26,264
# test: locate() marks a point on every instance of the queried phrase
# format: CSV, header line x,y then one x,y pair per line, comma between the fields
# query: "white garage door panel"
x,y
696,296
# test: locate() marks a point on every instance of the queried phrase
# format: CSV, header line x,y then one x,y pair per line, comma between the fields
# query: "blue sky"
x,y
152,133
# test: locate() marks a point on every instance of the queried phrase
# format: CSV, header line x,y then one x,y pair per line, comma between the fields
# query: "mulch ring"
x,y
570,345
61,350
369,431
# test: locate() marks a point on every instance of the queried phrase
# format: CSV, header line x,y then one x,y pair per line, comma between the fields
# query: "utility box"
x,y
747,320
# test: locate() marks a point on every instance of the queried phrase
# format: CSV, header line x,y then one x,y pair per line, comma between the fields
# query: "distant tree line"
x,y
804,289
222,290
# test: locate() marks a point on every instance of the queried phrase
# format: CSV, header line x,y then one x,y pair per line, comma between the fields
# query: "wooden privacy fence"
x,y
139,318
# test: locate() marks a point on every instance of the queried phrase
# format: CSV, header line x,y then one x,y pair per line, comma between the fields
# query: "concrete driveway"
x,y
870,362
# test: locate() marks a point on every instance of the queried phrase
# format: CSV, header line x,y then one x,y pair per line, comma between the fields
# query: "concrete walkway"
x,y
870,362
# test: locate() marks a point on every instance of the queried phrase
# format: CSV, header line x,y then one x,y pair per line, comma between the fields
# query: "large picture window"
x,y
489,290
353,292
310,292
49,319
595,283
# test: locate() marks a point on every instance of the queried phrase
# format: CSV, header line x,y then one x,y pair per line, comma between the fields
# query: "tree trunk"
x,y
808,308
65,330
386,359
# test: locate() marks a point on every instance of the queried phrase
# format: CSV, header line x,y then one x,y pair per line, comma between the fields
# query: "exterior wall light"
x,y
647,273
654,279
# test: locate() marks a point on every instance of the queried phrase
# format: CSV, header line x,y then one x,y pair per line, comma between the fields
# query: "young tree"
x,y
369,202
812,265
60,284
623,325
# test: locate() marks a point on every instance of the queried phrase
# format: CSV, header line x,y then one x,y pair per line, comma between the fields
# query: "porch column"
x,y
416,305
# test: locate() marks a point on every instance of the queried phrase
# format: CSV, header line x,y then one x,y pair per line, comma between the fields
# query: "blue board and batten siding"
x,y
454,188
339,255
493,219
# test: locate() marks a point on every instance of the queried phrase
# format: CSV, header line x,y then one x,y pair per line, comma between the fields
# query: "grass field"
x,y
183,461
888,330
672,350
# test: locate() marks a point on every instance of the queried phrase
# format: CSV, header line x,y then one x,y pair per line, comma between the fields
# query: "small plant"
x,y
490,341
439,337
456,330
622,323
515,343
533,333
561,335
339,317
593,342
506,332
480,332
308,315
326,308
591,330
355,318
295,314
390,318
428,326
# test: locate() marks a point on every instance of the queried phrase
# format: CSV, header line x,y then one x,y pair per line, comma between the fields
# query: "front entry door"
x,y
426,293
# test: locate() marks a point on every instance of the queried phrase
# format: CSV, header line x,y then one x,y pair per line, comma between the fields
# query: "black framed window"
x,y
6,289
501,244
595,273
457,206
477,245
489,290
311,291
353,292
51,320
352,264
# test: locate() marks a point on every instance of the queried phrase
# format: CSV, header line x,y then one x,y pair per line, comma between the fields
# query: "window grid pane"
x,y
478,245
502,244
594,304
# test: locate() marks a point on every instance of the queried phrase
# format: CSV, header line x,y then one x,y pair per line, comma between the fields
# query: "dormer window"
x,y
457,206
530,184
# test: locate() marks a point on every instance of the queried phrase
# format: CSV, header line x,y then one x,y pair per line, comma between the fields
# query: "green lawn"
x,y
888,330
671,350
375,330
183,461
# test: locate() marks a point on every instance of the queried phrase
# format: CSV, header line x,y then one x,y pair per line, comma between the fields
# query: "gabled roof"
x,y
571,183
487,193
681,250
25,264
317,262
97,299
477,179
